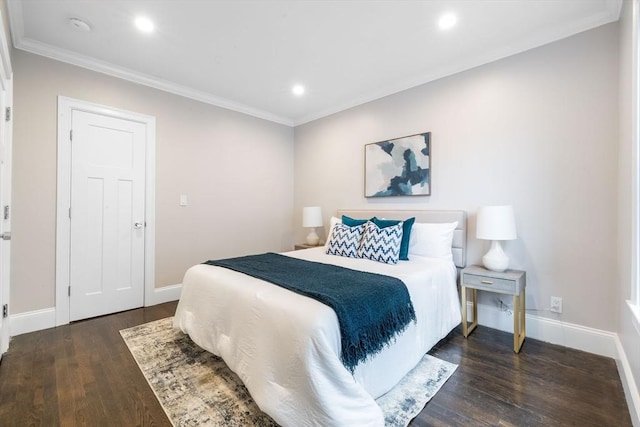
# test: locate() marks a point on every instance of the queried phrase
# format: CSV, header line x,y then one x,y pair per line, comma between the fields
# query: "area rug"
x,y
196,388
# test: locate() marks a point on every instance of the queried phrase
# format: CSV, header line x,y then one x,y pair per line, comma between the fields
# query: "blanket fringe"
x,y
372,340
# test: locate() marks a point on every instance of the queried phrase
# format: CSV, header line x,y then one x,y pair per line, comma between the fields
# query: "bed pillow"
x,y
381,244
352,222
332,222
344,240
432,239
406,233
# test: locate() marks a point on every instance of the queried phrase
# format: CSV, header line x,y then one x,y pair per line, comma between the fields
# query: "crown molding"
x,y
610,13
614,7
143,79
16,20
538,39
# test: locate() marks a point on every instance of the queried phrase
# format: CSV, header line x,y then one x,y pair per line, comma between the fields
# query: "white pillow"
x,y
344,240
432,239
333,222
381,244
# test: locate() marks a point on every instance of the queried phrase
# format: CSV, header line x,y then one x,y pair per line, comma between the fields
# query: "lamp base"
x,y
312,238
496,259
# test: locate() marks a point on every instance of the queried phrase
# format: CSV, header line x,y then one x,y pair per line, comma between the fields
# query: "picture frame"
x,y
398,167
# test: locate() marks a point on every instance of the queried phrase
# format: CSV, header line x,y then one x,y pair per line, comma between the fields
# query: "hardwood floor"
x,y
543,385
83,375
80,374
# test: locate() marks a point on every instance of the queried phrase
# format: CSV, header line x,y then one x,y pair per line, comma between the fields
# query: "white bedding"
x,y
286,347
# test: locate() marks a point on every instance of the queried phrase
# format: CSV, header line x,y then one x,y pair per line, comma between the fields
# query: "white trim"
x,y
552,331
635,156
37,320
628,384
6,71
164,294
65,108
32,321
6,128
7,167
635,315
73,58
614,8
535,40
611,13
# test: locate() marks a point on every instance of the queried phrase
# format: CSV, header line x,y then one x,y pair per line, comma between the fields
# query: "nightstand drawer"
x,y
489,283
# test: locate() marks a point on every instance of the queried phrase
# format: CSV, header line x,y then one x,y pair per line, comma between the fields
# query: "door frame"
x,y
6,127
66,106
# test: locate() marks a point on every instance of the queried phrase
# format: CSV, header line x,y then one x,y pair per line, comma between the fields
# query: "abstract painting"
x,y
398,167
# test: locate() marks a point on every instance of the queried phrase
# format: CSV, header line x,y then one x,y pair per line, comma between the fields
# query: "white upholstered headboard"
x,y
459,246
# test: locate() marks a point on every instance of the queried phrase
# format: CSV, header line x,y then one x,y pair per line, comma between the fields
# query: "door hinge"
x,y
71,135
6,212
69,291
7,114
5,311
69,213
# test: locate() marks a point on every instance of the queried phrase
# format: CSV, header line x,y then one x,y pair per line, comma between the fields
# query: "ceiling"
x,y
247,55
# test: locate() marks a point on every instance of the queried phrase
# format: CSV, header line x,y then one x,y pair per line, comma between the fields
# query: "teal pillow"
x,y
351,222
406,233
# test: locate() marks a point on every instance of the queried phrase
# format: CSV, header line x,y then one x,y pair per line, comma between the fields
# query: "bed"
x,y
285,347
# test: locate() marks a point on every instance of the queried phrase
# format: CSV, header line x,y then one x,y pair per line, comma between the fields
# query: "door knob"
x,y
137,225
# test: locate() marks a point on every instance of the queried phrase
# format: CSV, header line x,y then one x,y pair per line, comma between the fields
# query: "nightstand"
x,y
304,246
511,282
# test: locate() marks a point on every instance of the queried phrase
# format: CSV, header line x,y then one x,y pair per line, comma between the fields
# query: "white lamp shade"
x,y
496,223
312,216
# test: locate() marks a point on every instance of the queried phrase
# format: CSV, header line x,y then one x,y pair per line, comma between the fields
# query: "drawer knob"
x,y
486,282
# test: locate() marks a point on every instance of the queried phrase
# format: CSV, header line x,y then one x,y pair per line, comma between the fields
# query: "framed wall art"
x,y
398,167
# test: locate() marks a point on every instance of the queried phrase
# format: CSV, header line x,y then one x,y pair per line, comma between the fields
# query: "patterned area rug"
x,y
196,388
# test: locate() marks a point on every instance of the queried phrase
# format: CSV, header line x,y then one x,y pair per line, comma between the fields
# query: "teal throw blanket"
x,y
372,309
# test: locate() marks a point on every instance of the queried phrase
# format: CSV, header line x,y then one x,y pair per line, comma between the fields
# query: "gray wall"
x,y
237,171
538,130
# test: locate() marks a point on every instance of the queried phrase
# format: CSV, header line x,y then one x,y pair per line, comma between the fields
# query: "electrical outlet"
x,y
556,305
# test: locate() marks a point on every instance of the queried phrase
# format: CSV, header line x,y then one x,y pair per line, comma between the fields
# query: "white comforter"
x,y
286,347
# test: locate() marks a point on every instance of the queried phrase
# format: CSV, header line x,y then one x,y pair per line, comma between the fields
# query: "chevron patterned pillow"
x,y
381,244
345,240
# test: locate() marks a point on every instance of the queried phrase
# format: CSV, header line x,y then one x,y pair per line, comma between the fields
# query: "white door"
x,y
107,215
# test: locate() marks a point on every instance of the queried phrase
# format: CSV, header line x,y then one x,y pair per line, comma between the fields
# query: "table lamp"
x,y
312,217
496,223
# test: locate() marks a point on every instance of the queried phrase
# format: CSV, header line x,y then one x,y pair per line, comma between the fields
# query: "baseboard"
x,y
36,320
628,384
550,330
32,321
163,294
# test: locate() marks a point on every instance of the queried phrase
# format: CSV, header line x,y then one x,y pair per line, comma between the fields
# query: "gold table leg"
x,y
519,325
466,329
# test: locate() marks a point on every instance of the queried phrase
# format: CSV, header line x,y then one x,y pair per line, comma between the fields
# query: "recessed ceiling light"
x,y
298,90
448,20
144,24
79,24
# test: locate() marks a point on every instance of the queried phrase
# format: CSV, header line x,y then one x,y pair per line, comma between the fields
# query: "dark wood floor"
x,y
83,375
